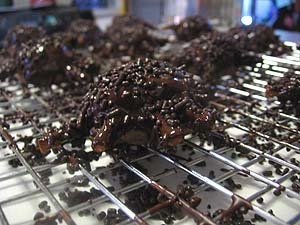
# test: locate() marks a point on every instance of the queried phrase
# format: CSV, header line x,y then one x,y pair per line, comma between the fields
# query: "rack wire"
x,y
251,135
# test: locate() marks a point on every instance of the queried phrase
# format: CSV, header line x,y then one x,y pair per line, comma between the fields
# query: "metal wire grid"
x,y
245,109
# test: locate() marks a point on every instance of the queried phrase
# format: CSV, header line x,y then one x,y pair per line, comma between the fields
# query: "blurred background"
x,y
56,14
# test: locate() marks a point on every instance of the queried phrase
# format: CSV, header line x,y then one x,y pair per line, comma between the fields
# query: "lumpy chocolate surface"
x,y
287,90
84,32
259,38
130,36
208,56
145,102
51,60
20,35
191,27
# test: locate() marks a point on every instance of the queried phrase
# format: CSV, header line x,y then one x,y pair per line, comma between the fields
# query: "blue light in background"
x,y
246,20
247,16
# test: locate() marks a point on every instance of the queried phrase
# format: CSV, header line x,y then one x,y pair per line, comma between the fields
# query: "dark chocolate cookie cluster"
x,y
259,39
145,102
20,35
43,61
83,33
129,36
191,27
209,55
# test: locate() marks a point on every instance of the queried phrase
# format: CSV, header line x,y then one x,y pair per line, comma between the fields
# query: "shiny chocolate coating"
x,y
51,60
142,103
43,61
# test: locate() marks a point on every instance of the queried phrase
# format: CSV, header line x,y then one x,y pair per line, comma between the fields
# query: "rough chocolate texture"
x,y
129,21
51,60
20,35
7,67
43,61
145,102
259,39
287,90
208,56
191,27
84,32
129,36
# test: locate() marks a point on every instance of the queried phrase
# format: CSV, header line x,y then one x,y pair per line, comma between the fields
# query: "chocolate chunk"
x,y
38,216
267,173
260,200
101,216
43,204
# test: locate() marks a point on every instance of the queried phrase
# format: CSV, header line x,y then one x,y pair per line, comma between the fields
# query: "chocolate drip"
x,y
237,202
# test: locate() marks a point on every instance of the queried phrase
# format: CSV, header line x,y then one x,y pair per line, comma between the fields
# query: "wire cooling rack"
x,y
250,161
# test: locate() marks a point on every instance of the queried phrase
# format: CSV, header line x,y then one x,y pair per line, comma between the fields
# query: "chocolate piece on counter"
x,y
191,27
259,38
287,90
84,32
145,102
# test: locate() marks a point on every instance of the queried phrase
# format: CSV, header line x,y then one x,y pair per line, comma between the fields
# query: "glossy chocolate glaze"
x,y
15,38
51,60
237,202
145,102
